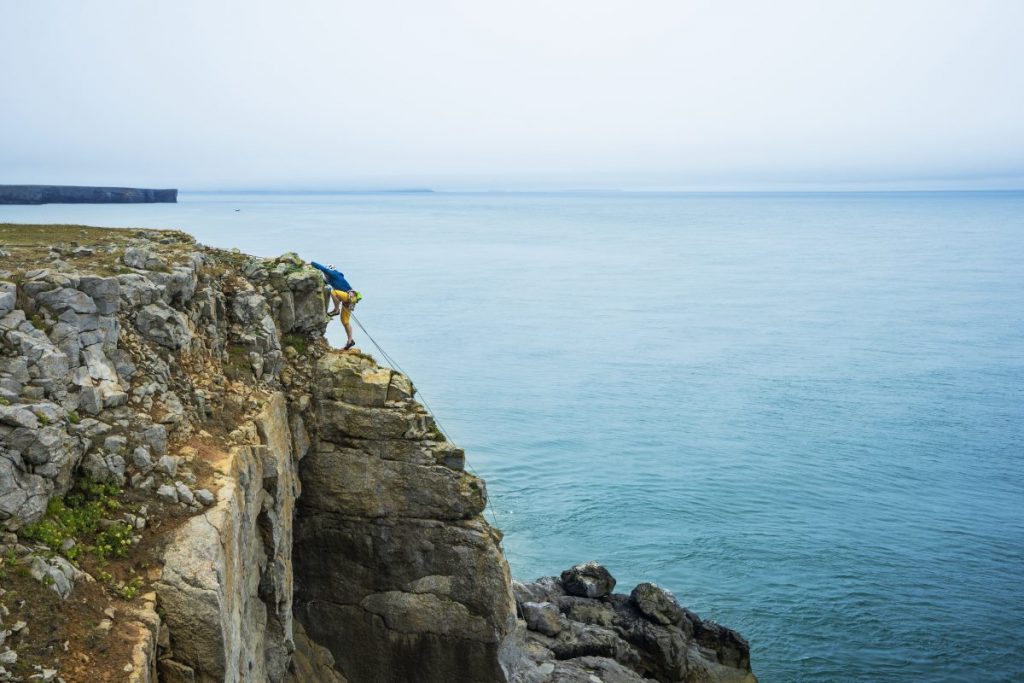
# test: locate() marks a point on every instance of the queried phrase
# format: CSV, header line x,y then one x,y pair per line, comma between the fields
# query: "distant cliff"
x,y
75,194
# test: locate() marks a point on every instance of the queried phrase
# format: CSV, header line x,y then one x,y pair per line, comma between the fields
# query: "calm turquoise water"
x,y
802,413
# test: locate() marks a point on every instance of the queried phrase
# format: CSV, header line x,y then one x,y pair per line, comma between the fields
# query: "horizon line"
x,y
575,190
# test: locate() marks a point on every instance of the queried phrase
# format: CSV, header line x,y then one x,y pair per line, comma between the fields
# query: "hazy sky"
x,y
203,94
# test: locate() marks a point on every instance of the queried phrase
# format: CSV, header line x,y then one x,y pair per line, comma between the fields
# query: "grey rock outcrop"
x,y
567,635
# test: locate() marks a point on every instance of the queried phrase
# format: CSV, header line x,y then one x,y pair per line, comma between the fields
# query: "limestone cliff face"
x,y
399,574
309,522
226,586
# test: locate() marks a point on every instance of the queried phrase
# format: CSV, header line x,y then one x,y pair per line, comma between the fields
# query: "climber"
x,y
344,297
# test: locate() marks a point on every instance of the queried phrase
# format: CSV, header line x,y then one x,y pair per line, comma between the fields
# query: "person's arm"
x,y
322,268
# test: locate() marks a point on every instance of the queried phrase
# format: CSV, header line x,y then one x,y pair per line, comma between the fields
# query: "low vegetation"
x,y
78,523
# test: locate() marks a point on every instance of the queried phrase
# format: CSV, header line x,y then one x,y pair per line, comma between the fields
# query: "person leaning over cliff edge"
x,y
341,294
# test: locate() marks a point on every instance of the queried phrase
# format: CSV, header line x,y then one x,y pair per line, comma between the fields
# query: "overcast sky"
x,y
201,94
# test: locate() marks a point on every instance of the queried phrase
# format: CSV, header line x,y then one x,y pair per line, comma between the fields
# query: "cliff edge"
x,y
195,487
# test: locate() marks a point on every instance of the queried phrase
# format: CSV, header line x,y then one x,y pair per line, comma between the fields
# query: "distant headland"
x,y
75,194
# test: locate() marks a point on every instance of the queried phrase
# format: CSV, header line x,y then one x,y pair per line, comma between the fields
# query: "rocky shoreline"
x,y
185,462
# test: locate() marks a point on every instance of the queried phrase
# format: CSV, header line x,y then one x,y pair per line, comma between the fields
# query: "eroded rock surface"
x,y
402,579
573,629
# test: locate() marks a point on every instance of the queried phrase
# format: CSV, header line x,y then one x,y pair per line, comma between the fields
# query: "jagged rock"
x,y
56,572
90,400
174,412
116,443
162,324
542,617
167,493
64,299
104,468
137,291
593,669
657,604
178,285
168,465
546,589
205,497
589,580
185,494
143,259
156,437
141,460
8,296
34,464
616,637
104,291
142,481
18,416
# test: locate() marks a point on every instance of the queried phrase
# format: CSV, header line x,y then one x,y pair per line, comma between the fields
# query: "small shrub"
x,y
300,343
74,417
115,541
131,589
77,516
40,323
4,401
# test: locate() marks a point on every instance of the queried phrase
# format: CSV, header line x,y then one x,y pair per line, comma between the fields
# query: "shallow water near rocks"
x,y
802,413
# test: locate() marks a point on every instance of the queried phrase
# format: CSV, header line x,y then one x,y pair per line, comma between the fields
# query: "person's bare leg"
x,y
337,303
346,313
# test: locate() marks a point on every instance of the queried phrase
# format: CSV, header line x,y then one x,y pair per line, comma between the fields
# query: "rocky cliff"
x,y
195,487
78,194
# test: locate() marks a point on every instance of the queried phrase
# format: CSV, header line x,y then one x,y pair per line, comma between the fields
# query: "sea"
x,y
801,413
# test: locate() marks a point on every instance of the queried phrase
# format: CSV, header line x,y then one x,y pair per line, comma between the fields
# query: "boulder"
x,y
18,416
143,259
155,436
56,572
205,497
657,604
618,638
167,493
137,291
141,459
542,617
8,296
104,291
163,325
104,468
178,285
185,494
588,580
